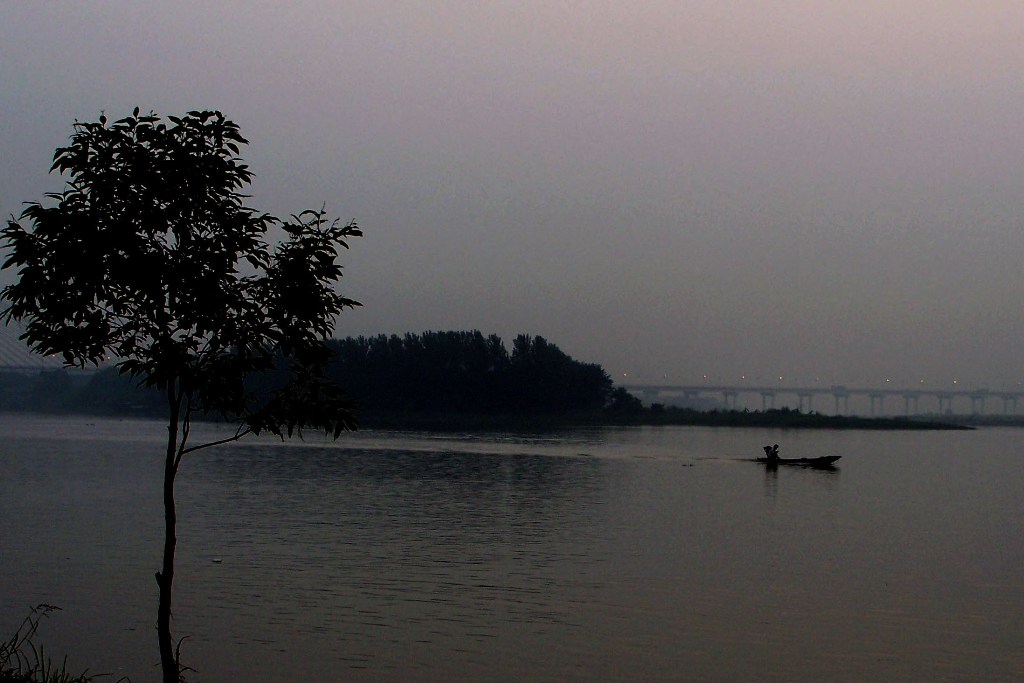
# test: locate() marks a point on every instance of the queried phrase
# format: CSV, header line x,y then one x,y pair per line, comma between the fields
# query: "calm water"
x,y
656,554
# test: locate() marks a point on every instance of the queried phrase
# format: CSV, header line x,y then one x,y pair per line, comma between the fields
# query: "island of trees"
x,y
444,380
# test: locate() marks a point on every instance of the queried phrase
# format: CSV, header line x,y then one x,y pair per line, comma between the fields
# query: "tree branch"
x,y
238,435
186,428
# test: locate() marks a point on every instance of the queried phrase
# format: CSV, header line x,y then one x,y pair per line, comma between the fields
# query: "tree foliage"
x,y
468,373
151,257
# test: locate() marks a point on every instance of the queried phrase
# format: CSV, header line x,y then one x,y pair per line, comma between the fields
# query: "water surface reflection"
x,y
386,560
632,554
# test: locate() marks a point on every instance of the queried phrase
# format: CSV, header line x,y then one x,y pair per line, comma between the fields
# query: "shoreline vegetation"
x,y
23,660
458,381
784,418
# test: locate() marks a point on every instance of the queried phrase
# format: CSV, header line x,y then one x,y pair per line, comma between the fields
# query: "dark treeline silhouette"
x,y
466,373
441,380
105,392
392,378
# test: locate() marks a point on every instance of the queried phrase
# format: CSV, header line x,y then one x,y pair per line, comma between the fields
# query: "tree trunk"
x,y
165,577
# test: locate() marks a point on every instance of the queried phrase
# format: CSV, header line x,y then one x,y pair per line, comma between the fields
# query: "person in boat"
x,y
771,453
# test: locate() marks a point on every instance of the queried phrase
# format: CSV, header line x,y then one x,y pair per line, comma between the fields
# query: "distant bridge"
x,y
17,358
942,399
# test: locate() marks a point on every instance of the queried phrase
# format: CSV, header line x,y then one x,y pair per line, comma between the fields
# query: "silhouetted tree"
x,y
151,257
621,402
468,373
544,378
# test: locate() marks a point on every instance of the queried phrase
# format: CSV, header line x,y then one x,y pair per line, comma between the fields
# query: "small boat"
x,y
824,462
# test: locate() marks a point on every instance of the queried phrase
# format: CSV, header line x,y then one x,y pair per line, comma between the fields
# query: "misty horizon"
x,y
721,189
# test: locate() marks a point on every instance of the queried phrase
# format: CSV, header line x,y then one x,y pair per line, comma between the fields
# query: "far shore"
x,y
784,418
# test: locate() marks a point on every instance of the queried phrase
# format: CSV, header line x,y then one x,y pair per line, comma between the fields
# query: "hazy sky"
x,y
824,190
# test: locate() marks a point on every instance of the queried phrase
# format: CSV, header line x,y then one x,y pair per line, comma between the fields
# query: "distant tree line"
x,y
467,373
428,374
425,380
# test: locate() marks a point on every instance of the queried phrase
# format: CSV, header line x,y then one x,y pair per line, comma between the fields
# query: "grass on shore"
x,y
22,660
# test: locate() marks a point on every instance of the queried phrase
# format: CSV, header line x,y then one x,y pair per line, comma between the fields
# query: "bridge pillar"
x,y
881,403
809,397
767,400
1007,402
845,399
908,400
978,401
729,399
945,403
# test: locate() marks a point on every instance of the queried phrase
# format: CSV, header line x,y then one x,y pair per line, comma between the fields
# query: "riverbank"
x,y
784,419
